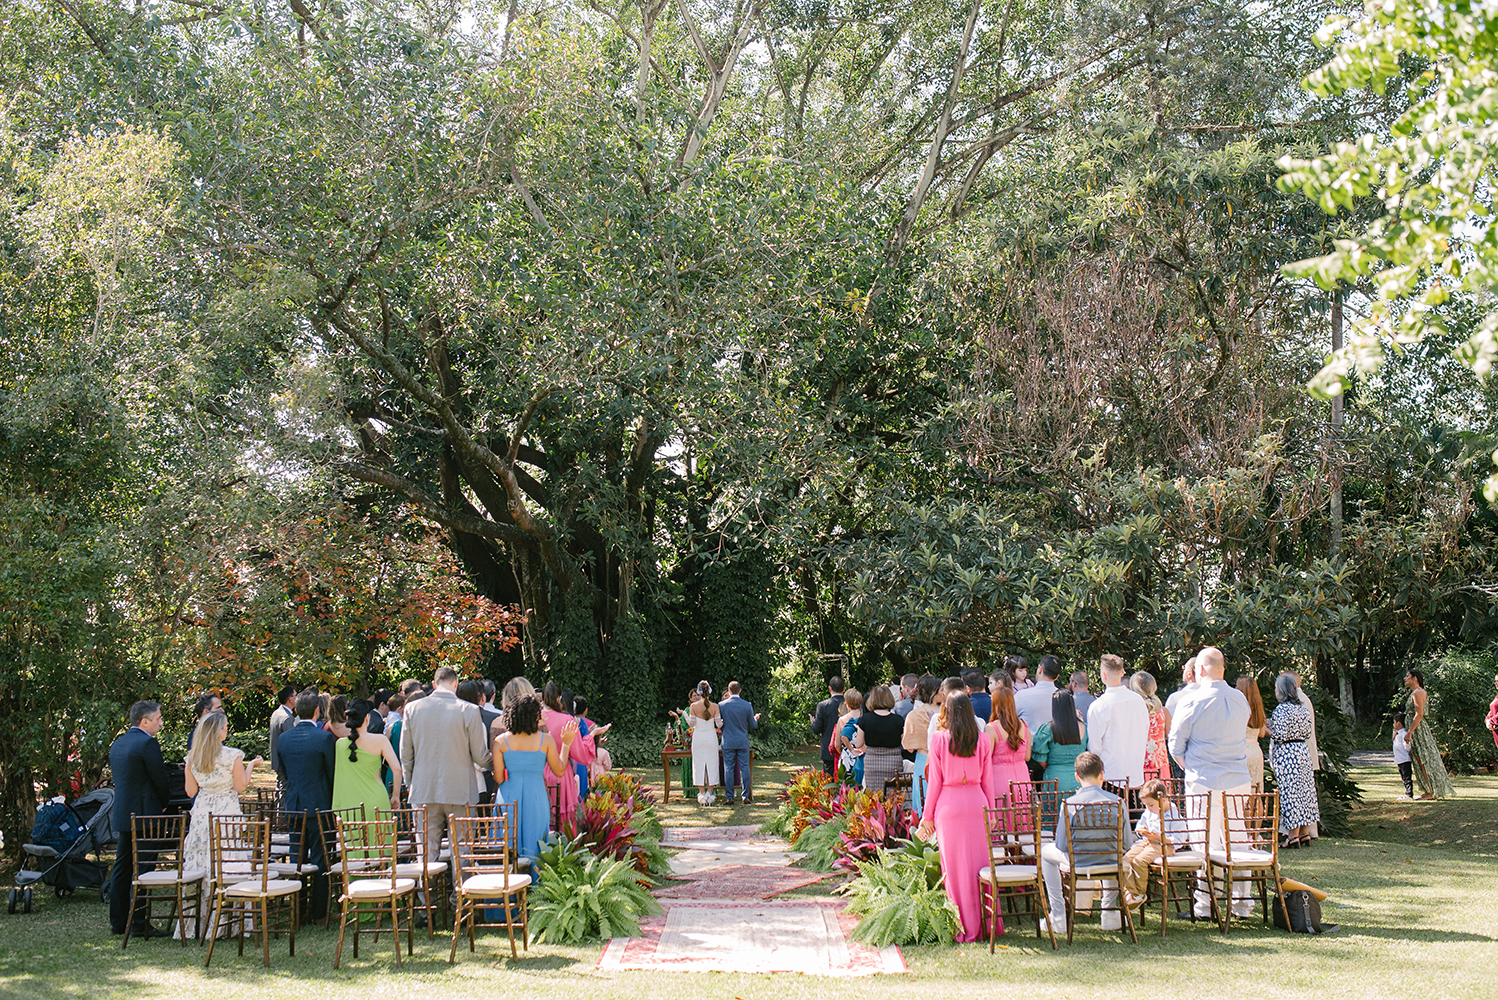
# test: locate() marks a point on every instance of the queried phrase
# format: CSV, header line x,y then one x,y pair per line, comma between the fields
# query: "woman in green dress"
x,y
356,769
1060,742
1430,771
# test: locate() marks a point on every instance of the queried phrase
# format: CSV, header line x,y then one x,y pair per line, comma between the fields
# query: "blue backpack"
x,y
57,826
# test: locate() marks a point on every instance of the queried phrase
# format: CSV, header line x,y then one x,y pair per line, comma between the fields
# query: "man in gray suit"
x,y
738,718
442,740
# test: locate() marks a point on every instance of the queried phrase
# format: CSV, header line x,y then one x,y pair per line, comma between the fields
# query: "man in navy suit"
x,y
141,788
738,718
306,754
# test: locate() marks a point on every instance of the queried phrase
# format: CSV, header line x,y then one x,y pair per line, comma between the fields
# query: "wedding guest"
x,y
1088,781
847,728
1258,728
279,720
523,754
1402,758
914,737
961,787
1081,692
581,751
1289,754
1034,705
977,692
513,691
142,786
824,723
1118,726
877,737
584,728
307,755
409,685
1059,742
372,719
206,703
216,776
1159,833
1492,720
1011,744
1206,736
948,686
1000,679
906,702
1430,770
356,772
738,717
337,716
442,740
1156,757
1019,669
1188,681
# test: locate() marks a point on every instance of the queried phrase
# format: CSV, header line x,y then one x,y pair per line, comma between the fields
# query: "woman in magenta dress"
x,y
1011,745
959,777
556,719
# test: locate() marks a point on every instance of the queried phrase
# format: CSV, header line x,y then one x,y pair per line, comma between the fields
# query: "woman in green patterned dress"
x,y
1429,770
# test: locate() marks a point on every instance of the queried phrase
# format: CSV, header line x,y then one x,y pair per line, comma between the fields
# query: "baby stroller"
x,y
62,838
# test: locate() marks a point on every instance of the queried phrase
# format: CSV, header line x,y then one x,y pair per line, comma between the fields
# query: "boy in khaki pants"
x,y
1160,832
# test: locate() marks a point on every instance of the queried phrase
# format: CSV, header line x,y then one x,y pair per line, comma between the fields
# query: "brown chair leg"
x,y
395,929
265,928
213,928
452,953
342,924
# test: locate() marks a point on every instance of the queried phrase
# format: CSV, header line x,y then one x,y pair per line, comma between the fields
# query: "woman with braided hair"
x,y
356,768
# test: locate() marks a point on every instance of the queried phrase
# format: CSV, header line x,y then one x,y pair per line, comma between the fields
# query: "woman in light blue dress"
x,y
521,755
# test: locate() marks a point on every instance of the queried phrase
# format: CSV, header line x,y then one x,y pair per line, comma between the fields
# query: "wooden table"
x,y
670,755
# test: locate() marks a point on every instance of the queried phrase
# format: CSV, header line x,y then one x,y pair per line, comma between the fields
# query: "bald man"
x,y
1206,736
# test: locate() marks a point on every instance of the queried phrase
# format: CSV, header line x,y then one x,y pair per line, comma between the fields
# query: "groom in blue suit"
x,y
306,755
738,718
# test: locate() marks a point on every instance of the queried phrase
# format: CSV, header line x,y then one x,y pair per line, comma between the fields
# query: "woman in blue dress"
x,y
520,756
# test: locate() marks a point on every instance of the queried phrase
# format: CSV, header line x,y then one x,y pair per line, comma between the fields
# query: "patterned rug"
x,y
687,834
731,935
740,882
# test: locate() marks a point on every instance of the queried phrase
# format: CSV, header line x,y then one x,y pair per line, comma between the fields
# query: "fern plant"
x,y
901,899
580,896
820,843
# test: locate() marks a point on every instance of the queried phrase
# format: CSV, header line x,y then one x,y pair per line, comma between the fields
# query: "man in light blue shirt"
x,y
1207,737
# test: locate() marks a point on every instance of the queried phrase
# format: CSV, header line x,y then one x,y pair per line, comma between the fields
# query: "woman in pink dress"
x,y
1011,745
1493,715
959,787
556,719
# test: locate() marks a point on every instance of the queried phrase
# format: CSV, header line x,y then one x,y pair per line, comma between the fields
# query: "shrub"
x,y
581,896
874,822
901,899
820,843
1460,684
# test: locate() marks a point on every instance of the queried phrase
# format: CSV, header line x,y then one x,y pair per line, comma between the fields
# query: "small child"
x,y
1161,832
1402,758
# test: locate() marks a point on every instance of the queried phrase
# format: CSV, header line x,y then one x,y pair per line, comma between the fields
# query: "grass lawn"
x,y
1414,893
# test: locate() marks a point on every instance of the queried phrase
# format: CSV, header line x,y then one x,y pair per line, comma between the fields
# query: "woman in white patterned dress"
x,y
216,774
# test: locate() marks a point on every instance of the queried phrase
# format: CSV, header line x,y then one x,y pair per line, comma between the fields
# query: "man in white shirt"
x,y
1118,726
1033,704
1206,737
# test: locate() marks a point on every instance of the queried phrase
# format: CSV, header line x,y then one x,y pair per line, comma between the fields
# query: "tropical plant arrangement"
x,y
837,825
900,897
873,822
581,896
618,820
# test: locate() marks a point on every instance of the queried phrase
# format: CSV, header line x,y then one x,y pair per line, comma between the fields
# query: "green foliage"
x,y
901,898
632,699
580,896
1336,792
820,842
575,653
1460,687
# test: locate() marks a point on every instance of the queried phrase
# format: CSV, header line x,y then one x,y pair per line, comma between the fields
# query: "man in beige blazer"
x,y
442,740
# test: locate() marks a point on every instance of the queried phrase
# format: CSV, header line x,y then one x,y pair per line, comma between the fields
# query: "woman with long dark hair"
x,y
555,718
1430,770
356,768
1060,742
959,787
523,755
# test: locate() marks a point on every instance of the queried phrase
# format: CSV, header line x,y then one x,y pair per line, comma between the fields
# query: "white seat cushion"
x,y
377,888
1244,858
1008,874
1093,871
481,885
416,869
169,877
287,868
1186,859
252,890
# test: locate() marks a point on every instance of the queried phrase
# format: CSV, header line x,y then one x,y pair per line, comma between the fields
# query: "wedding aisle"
x,y
720,916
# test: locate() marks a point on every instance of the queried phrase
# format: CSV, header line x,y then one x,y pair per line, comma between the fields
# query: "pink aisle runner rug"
x,y
736,935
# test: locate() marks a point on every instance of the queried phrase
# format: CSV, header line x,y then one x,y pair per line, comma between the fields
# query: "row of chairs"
x,y
1244,847
261,879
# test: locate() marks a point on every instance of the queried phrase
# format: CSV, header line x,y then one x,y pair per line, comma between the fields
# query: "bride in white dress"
x,y
703,714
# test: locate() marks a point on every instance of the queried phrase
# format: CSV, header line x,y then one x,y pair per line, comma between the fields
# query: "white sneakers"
x,y
1059,922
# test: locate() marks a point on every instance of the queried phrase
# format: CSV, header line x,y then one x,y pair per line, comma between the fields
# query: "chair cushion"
x,y
169,877
379,888
252,890
416,869
481,885
1244,858
1007,874
1186,859
1093,871
287,868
